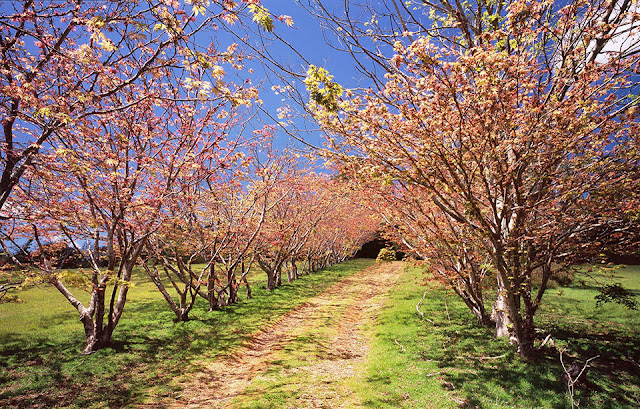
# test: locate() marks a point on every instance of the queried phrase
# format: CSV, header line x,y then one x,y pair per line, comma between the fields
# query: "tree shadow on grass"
x,y
609,345
51,372
504,382
480,373
43,373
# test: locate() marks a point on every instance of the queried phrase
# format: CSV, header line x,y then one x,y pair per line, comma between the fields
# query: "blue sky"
x,y
308,38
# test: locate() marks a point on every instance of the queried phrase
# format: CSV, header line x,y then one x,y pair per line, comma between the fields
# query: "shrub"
x,y
562,278
60,255
10,298
386,254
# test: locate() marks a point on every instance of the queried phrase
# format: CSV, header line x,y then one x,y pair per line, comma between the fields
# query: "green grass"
x,y
458,363
41,340
444,366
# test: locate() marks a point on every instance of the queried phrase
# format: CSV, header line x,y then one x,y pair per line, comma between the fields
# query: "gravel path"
x,y
334,327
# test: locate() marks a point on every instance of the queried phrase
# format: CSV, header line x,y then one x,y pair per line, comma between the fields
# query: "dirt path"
x,y
306,359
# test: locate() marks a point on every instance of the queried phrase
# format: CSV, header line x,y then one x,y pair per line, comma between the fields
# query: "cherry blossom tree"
x,y
219,228
346,226
317,220
511,136
288,226
111,182
110,112
64,61
447,249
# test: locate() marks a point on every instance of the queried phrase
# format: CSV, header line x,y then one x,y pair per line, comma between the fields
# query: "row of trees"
x,y
128,140
195,213
173,192
496,139
502,138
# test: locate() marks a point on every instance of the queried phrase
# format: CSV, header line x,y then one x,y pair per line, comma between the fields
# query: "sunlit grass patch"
x,y
40,341
457,362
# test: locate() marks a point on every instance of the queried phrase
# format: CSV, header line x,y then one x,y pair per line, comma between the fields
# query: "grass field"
x,y
411,363
457,363
40,341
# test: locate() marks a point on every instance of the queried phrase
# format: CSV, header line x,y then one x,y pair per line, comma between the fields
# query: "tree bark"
x,y
291,271
278,276
500,313
246,283
211,288
271,280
